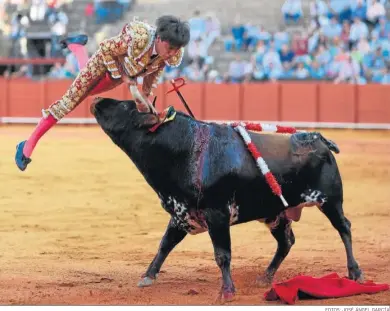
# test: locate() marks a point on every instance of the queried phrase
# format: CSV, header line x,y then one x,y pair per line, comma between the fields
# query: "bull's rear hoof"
x,y
145,282
356,275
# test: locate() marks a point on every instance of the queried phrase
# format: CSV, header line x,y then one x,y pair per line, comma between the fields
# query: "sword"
x,y
176,88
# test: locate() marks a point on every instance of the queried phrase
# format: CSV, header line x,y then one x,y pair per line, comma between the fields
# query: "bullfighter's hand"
x,y
129,81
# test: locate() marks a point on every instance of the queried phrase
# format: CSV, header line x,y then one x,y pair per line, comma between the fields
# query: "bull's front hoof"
x,y
146,281
225,295
264,280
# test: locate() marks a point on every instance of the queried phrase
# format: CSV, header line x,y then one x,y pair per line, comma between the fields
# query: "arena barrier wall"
x,y
300,104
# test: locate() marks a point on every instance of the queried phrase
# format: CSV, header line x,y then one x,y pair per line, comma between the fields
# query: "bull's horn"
x,y
137,96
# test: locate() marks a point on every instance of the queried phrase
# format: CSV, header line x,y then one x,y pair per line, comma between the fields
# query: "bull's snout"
x,y
94,102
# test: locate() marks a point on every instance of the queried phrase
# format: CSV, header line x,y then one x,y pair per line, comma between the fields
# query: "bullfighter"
x,y
139,50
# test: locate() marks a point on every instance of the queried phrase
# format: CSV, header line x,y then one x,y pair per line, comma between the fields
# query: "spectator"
x,y
385,45
238,33
197,26
317,72
286,55
357,55
287,71
336,47
375,42
197,50
19,25
38,10
51,8
323,57
273,72
238,70
89,12
260,52
58,22
341,9
23,71
382,29
375,11
359,9
301,71
363,46
349,71
271,58
171,73
292,11
345,33
258,72
359,30
194,73
214,77
213,29
281,38
323,40
373,63
252,36
318,8
300,44
333,29
386,76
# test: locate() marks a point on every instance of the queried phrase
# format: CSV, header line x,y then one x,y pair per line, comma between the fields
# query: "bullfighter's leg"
x,y
334,212
89,78
219,231
173,236
281,230
76,44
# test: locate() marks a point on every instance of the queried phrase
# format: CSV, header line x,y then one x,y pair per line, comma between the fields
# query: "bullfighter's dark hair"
x,y
172,30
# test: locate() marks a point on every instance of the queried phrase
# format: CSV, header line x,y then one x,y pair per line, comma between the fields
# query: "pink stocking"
x,y
81,54
45,124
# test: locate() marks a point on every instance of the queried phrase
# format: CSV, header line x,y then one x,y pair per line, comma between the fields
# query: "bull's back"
x,y
275,150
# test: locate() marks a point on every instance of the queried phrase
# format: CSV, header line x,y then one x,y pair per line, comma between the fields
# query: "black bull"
x,y
207,181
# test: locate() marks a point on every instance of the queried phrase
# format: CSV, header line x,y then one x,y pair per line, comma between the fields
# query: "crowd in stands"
x,y
108,11
16,16
346,41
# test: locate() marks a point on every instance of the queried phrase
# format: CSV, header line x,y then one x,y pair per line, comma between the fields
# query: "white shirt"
x,y
154,49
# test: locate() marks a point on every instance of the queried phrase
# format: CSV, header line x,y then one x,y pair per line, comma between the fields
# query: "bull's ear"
x,y
146,120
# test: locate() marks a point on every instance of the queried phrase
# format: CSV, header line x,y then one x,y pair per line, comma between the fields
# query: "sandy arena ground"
x,y
81,225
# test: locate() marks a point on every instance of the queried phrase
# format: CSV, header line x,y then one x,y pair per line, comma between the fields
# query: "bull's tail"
x,y
305,139
330,144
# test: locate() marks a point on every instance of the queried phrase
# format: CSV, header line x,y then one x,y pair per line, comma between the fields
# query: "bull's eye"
x,y
124,106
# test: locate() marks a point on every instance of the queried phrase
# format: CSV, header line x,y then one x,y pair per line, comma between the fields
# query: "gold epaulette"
x,y
142,37
176,59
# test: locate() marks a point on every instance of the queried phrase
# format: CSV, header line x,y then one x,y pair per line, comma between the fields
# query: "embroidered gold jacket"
x,y
130,53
